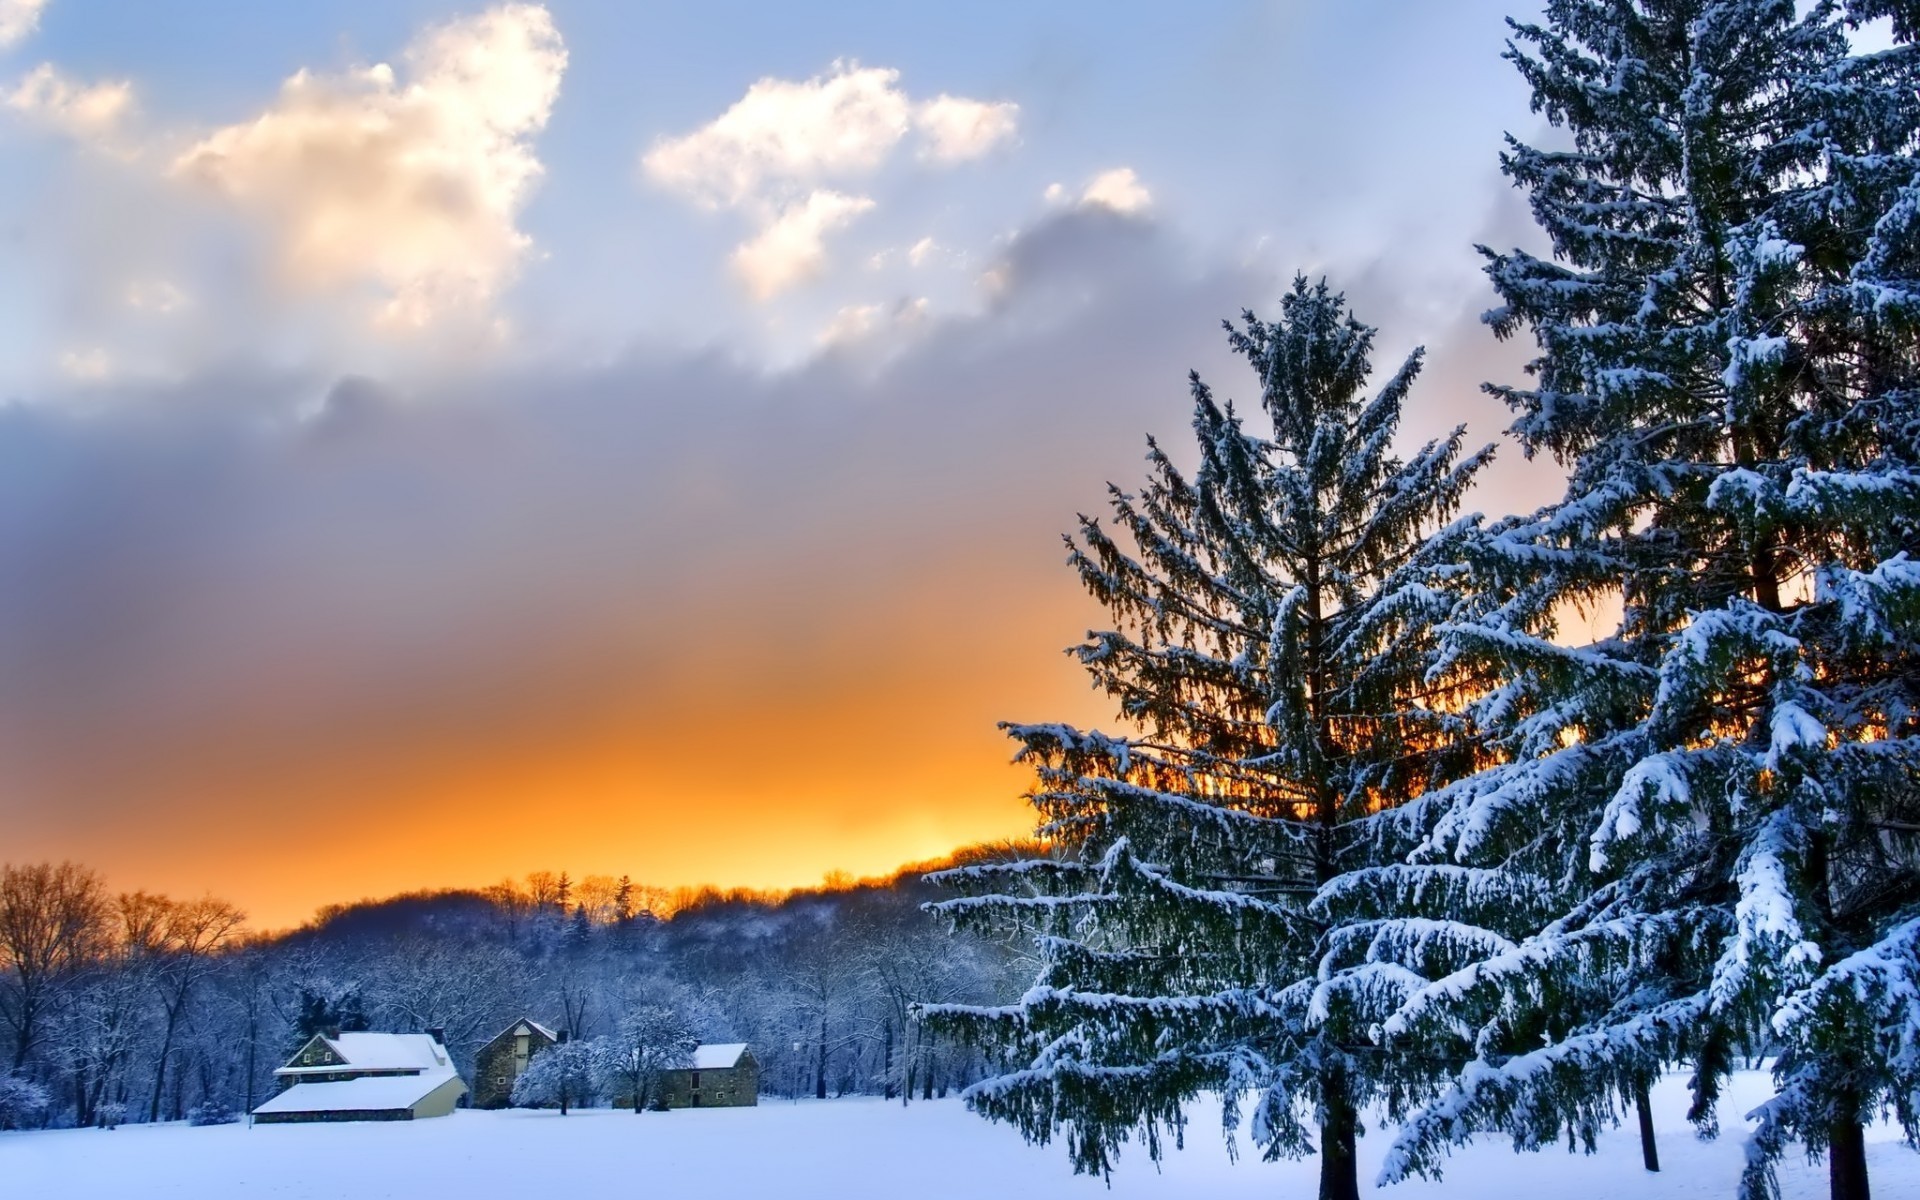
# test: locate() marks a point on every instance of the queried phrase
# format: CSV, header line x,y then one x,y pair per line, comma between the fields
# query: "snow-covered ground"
x,y
843,1149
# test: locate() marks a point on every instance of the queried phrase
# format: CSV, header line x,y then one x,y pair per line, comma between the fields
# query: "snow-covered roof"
x,y
549,1034
379,1052
373,1093
718,1057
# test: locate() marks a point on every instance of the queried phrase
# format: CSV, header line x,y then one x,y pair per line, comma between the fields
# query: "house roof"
x,y
374,1093
416,1052
719,1056
549,1034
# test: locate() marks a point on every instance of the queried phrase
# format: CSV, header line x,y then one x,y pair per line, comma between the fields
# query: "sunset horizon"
x,y
369,508
1240,598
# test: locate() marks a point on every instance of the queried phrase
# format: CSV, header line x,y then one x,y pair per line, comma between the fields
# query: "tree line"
x,y
1380,833
136,1007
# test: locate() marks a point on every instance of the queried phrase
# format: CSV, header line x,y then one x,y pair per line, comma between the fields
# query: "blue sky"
x,y
411,412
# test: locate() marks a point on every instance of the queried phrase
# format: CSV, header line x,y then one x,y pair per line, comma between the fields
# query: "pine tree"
x,y
1272,628
1717,799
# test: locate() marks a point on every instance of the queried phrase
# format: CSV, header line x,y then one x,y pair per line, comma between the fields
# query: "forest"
x,y
136,1007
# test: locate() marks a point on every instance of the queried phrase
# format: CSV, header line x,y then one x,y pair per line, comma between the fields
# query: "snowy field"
x,y
843,1149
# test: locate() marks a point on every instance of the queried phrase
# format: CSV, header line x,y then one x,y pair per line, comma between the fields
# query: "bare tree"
x,y
464,990
646,1043
53,921
179,939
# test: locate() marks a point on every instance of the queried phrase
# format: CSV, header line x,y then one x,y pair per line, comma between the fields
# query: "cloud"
x,y
793,248
411,188
957,129
922,250
90,113
771,152
18,20
91,365
155,296
429,603
785,133
855,323
1118,190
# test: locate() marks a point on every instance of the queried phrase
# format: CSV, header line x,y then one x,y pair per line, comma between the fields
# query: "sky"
x,y
442,441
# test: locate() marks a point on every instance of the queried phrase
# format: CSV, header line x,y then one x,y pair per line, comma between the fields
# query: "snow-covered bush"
x,y
23,1103
212,1112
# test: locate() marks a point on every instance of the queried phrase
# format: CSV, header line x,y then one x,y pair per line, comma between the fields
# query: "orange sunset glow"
x,y
367,543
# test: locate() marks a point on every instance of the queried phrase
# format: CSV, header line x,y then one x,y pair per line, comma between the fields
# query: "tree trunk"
x,y
1847,1159
1649,1150
886,1063
820,1064
253,1044
166,1051
1339,1168
23,1028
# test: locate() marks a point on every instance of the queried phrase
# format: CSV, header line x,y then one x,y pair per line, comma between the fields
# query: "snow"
x,y
526,1024
379,1052
718,1056
371,1094
843,1150
1662,777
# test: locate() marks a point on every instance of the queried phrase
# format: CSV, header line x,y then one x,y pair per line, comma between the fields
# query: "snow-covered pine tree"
x,y
1273,630
1720,797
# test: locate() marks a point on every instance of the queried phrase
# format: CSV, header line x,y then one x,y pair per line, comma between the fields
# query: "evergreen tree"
x,y
1272,629
1718,798
324,1006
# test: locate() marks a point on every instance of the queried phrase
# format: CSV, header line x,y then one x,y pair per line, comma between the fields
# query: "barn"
x,y
365,1077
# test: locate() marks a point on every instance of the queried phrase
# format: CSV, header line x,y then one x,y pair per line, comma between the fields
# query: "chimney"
x,y
331,1033
563,1035
438,1033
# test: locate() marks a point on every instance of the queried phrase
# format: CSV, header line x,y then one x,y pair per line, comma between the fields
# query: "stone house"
x,y
365,1077
505,1059
722,1076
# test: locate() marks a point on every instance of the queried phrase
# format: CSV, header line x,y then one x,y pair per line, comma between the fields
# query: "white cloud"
x,y
414,188
1056,193
89,112
787,133
18,20
772,152
792,249
957,129
92,365
1118,190
851,324
922,250
156,296
857,322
